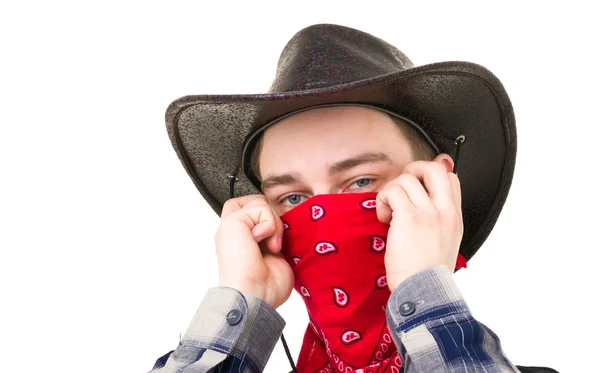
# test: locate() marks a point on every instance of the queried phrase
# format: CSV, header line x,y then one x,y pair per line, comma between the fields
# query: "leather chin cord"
x,y
232,179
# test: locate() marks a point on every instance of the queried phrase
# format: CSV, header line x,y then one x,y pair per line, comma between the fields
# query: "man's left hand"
x,y
423,208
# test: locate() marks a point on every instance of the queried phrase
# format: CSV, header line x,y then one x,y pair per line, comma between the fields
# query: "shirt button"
x,y
234,317
407,308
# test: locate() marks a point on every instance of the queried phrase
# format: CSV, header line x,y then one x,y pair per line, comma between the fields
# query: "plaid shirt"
x,y
232,332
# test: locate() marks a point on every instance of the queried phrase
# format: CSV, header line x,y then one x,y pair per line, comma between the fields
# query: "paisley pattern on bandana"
x,y
342,280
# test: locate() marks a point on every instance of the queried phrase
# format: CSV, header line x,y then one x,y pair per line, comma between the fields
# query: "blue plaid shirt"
x,y
434,332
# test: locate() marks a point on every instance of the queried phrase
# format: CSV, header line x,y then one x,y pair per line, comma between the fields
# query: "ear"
x,y
446,161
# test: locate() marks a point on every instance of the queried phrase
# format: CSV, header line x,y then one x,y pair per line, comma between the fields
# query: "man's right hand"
x,y
248,245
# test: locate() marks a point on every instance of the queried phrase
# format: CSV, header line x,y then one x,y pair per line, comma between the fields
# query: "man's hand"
x,y
423,208
248,245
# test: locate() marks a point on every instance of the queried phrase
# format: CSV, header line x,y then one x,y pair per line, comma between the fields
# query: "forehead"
x,y
338,121
325,135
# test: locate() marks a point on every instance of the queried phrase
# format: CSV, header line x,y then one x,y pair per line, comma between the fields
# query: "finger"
x,y
392,200
273,243
264,224
435,180
235,204
256,216
268,219
456,192
414,190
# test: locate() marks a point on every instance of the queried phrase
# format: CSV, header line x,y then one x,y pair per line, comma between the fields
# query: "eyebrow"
x,y
336,168
283,179
357,160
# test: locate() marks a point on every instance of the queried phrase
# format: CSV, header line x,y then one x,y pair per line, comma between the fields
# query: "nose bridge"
x,y
317,181
323,186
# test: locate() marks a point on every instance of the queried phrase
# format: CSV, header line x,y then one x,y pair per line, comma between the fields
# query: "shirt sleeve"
x,y
230,332
435,331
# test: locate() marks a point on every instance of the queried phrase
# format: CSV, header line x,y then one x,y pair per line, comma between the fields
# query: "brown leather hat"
x,y
324,65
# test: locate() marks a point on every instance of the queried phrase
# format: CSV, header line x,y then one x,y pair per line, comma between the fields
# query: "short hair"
x,y
422,150
420,147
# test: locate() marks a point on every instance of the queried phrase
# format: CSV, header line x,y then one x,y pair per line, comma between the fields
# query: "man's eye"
x,y
293,199
360,183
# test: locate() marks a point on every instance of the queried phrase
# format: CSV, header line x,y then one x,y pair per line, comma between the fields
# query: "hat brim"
x,y
446,99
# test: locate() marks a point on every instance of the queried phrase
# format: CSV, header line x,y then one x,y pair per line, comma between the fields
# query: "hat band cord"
x,y
232,180
458,142
288,354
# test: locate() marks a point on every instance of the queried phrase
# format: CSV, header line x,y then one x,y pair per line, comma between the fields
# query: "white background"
x,y
107,247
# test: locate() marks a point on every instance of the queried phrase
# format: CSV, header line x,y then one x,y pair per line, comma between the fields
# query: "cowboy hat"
x,y
456,106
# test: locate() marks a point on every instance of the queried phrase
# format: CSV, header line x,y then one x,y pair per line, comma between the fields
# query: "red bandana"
x,y
336,246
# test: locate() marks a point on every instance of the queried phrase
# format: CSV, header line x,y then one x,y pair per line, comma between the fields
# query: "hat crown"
x,y
327,55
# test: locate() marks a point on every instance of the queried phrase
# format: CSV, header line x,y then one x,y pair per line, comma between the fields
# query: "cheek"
x,y
278,209
387,179
272,196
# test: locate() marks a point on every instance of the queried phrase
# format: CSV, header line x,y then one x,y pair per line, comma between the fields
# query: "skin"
x,y
419,199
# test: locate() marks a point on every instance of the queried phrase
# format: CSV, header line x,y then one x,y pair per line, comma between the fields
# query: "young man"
x,y
348,192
